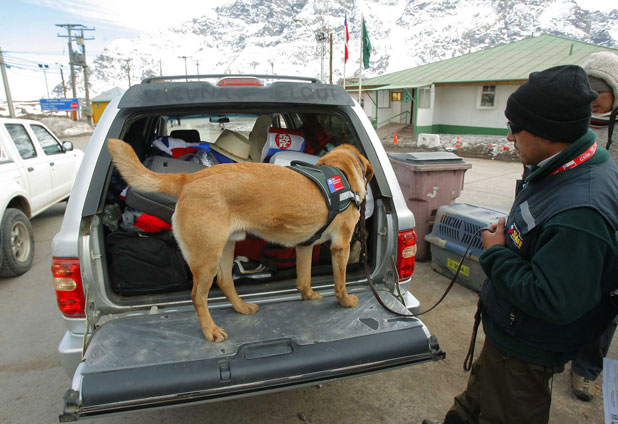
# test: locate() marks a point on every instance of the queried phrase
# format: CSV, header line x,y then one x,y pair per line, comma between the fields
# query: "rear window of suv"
x,y
321,131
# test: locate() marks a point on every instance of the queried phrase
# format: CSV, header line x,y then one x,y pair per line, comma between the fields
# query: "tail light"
x,y
406,253
68,286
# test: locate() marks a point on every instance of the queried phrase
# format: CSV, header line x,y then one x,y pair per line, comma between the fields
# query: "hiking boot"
x,y
583,388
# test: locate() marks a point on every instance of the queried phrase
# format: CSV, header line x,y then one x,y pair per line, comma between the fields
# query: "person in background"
x,y
552,266
602,71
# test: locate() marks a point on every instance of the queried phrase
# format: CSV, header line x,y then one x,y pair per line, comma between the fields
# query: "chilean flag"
x,y
347,38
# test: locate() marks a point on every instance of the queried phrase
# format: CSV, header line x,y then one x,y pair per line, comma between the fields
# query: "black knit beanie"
x,y
555,104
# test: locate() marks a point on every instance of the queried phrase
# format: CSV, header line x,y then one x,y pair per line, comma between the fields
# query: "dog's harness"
x,y
335,187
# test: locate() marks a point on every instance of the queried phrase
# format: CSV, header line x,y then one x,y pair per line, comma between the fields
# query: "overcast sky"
x,y
29,35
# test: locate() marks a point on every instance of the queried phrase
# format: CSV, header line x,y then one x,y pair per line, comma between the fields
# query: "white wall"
x,y
458,105
393,109
369,107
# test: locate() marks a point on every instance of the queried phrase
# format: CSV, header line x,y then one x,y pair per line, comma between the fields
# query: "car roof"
x,y
20,120
174,91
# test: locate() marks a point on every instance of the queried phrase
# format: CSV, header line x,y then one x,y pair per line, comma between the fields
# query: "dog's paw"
x,y
215,334
247,308
349,301
312,295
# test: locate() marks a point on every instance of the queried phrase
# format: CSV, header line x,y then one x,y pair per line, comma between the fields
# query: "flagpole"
x,y
345,48
360,67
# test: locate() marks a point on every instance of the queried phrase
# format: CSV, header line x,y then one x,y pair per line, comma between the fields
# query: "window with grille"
x,y
488,96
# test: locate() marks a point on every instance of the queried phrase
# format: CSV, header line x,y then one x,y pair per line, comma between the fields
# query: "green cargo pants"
x,y
502,389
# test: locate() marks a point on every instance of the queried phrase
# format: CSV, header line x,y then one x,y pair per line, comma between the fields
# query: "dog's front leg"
x,y
303,272
340,252
202,280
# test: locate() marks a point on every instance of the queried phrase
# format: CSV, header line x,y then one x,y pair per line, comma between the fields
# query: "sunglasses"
x,y
513,128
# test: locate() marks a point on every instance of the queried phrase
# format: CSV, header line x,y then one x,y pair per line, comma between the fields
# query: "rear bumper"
x,y
70,350
162,360
249,372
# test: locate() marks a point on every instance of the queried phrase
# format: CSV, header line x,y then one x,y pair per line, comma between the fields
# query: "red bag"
x,y
272,255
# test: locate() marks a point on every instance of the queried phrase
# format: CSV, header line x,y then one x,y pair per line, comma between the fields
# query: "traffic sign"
x,y
59,104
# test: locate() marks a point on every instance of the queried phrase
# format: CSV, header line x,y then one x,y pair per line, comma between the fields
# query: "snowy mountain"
x,y
266,36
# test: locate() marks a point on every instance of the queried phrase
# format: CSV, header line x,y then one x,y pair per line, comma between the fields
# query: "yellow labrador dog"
x,y
219,205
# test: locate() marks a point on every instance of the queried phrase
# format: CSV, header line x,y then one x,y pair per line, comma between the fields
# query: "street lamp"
x,y
321,36
44,68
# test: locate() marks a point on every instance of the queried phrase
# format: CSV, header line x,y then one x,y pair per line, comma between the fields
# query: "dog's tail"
x,y
140,177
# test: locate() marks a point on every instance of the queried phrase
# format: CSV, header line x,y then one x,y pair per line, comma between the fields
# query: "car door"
x,y
61,163
38,174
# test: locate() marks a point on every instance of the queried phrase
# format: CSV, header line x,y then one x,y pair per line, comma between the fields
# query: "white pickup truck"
x,y
36,172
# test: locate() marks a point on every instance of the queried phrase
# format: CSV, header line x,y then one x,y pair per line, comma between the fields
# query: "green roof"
x,y
508,62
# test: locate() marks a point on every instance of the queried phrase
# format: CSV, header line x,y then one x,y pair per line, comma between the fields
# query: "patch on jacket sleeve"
x,y
515,235
335,183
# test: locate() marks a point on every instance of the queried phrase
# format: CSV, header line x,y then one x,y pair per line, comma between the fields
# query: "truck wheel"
x,y
16,243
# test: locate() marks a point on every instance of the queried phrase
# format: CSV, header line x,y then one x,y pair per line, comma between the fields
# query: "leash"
x,y
363,254
467,365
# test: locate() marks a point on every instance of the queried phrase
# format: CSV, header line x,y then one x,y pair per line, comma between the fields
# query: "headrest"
x,y
190,136
282,139
232,145
285,158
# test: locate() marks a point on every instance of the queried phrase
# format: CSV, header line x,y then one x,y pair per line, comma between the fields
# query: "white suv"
x,y
37,171
133,340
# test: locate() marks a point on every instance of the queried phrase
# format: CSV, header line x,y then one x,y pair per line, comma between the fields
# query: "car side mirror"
x,y
67,145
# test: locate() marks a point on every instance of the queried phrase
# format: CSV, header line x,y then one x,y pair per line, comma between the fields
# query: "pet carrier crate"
x,y
454,228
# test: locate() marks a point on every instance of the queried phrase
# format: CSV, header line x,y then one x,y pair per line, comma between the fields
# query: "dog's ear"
x,y
368,170
367,166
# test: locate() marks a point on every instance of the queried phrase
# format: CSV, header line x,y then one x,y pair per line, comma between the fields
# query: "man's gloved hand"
x,y
495,235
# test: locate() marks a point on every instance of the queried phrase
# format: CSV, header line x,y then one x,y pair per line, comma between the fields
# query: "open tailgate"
x,y
163,359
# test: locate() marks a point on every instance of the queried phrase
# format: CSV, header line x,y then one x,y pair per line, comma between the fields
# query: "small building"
x,y
465,94
100,102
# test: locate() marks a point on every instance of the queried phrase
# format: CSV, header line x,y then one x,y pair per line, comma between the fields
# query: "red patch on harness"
x,y
335,183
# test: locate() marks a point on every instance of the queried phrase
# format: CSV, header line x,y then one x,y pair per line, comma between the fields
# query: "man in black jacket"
x,y
552,265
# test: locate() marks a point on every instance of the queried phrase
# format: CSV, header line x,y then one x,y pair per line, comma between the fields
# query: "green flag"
x,y
366,46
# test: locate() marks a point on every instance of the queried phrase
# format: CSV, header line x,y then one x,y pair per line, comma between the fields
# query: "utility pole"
x,y
129,71
185,58
197,64
5,80
77,59
44,68
330,79
64,87
80,41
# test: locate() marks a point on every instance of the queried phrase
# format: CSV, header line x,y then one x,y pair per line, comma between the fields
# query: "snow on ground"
x,y
479,146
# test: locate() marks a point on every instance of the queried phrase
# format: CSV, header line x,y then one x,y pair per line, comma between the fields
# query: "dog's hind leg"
x,y
226,282
303,272
340,253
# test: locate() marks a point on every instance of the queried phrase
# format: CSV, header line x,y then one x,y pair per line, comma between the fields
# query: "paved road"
x,y
32,382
